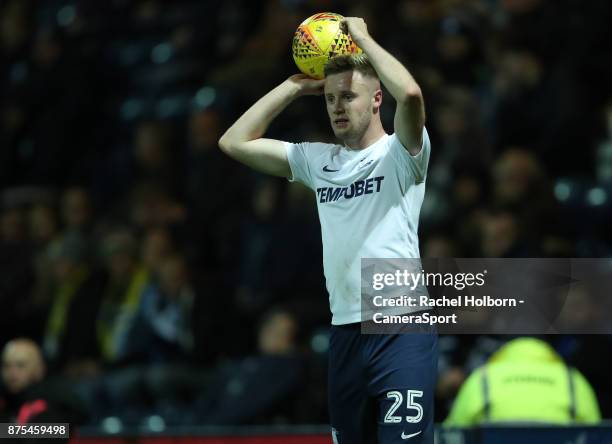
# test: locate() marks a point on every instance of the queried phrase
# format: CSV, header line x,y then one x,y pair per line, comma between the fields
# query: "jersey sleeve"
x,y
297,155
415,165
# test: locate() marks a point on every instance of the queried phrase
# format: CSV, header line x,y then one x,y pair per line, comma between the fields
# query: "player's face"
x,y
351,99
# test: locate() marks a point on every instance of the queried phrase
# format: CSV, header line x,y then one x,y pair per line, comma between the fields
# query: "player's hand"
x,y
356,27
307,86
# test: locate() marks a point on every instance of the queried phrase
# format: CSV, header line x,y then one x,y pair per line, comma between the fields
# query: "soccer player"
x,y
369,194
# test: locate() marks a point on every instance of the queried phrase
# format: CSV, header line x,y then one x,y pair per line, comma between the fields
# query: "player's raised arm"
x,y
244,140
410,112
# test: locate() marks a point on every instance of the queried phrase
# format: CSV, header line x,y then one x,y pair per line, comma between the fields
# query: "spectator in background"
x,y
150,205
157,244
26,397
460,58
162,331
520,185
77,211
518,180
157,344
12,226
22,367
470,189
43,224
113,322
154,157
122,295
524,369
501,235
257,388
69,336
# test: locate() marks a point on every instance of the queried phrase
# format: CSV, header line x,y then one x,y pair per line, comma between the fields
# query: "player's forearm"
x,y
396,78
256,120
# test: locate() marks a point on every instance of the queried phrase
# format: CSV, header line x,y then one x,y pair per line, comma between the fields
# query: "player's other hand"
x,y
307,86
356,27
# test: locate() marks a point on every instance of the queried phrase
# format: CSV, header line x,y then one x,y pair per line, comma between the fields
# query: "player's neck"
x,y
372,133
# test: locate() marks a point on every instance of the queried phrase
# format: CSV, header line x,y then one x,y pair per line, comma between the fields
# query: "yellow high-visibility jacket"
x,y
525,381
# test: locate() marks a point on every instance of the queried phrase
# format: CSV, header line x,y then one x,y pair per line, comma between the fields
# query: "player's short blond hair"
x,y
350,62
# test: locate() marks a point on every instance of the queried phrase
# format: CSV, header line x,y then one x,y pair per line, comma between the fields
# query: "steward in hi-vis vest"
x,y
524,381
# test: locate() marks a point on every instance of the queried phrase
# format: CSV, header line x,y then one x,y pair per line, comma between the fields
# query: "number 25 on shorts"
x,y
398,399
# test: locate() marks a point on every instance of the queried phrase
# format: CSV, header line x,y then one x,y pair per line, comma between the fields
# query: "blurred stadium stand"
x,y
120,218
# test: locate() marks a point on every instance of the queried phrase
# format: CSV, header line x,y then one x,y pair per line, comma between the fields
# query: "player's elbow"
x,y
412,96
413,106
225,143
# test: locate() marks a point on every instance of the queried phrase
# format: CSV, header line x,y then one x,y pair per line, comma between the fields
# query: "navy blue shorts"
x,y
381,387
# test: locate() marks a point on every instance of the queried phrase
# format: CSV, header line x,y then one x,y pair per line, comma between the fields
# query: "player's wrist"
x,y
364,41
292,88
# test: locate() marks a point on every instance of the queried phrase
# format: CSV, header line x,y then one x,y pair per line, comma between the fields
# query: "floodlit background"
x,y
165,281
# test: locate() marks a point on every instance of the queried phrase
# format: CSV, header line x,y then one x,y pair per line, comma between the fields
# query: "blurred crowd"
x,y
151,269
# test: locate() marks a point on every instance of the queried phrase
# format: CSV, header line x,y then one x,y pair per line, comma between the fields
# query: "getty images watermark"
x,y
487,296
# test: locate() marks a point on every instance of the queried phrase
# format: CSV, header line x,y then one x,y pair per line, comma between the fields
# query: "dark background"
x,y
147,263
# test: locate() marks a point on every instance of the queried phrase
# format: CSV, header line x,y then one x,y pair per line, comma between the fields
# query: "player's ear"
x,y
377,100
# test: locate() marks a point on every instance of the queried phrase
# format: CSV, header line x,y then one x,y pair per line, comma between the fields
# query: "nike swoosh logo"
x,y
327,170
366,164
411,435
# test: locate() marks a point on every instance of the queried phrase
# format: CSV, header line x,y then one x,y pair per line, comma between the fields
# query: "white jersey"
x,y
369,202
